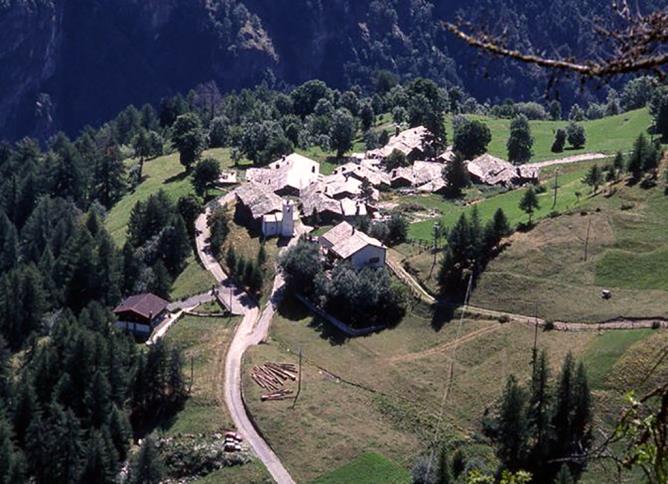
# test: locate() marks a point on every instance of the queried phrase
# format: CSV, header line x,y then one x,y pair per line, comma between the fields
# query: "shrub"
x,y
549,325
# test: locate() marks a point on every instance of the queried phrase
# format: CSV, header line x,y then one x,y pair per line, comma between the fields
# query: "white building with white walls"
x,y
280,224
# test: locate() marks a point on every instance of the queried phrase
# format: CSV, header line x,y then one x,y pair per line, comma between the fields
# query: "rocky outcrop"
x,y
68,63
30,40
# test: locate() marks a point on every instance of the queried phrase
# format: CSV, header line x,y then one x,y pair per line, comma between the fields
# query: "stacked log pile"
x,y
272,376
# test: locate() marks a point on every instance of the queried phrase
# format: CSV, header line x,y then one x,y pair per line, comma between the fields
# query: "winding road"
x,y
252,330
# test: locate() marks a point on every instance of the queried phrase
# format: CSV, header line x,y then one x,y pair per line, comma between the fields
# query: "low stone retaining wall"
x,y
353,332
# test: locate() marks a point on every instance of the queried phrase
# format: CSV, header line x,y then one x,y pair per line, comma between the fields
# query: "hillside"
x,y
68,64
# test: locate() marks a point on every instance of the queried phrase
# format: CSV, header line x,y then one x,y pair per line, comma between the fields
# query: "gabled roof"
x,y
403,173
361,171
341,184
292,171
426,171
259,199
492,170
406,141
313,198
346,240
146,305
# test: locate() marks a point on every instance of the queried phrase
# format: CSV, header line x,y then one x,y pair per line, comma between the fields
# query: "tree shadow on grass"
x,y
177,177
443,314
326,331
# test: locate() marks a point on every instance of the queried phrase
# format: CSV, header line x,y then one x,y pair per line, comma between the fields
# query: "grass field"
x,y
604,351
606,135
193,280
545,268
570,183
203,341
369,468
163,173
382,393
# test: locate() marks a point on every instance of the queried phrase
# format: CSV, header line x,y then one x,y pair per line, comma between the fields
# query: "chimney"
x,y
397,130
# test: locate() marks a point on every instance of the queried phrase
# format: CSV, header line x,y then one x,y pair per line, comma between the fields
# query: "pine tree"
x,y
175,376
520,142
38,448
582,409
10,459
512,435
120,432
65,442
538,414
562,418
97,400
261,255
131,268
618,164
174,246
456,176
248,273
25,410
529,202
148,468
9,257
564,476
99,466
594,177
559,141
161,284
231,259
637,157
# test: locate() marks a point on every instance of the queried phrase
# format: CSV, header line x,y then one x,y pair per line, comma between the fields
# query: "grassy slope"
x,y
166,173
545,267
202,341
400,377
570,183
629,360
369,468
607,135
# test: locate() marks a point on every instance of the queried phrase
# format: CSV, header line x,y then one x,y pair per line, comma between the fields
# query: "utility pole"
x,y
192,372
299,380
534,351
556,187
586,247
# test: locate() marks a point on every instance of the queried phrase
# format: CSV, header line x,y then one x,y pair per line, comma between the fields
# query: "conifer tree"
x,y
148,468
11,461
512,434
161,284
594,177
564,476
529,202
97,400
520,142
119,430
99,466
618,164
637,158
539,412
65,444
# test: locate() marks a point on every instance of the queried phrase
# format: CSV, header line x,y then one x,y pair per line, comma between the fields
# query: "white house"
x,y
286,176
280,224
345,242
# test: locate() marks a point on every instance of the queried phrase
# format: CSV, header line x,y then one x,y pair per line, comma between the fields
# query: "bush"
x,y
503,319
549,325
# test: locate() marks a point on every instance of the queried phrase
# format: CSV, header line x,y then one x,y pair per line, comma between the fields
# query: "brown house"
x,y
141,313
